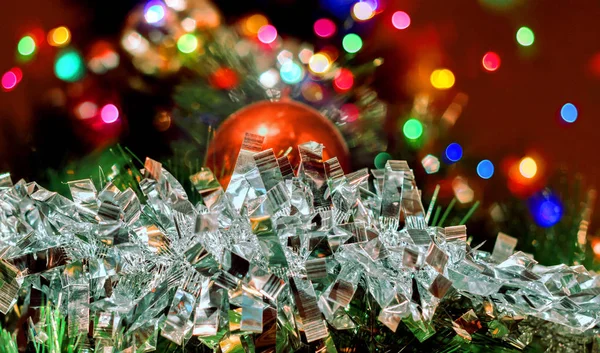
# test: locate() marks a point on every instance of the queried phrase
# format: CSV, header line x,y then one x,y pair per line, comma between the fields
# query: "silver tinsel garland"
x,y
272,263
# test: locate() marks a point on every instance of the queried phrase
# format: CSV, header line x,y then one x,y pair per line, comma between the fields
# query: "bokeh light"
x,y
312,92
528,167
291,73
343,80
381,159
319,63
568,113
69,66
109,113
485,169
26,46
491,61
442,79
9,80
187,43
454,152
352,43
254,23
596,248
177,5
224,78
305,54
59,37
462,191
86,110
412,129
546,208
269,78
362,11
349,112
324,28
188,24
267,34
400,20
154,12
525,36
431,164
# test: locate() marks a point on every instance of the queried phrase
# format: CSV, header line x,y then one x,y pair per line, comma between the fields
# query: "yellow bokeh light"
x,y
597,249
442,79
59,37
319,63
254,23
528,167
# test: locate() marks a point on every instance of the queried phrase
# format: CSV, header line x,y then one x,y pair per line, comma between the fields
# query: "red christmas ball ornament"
x,y
285,124
224,78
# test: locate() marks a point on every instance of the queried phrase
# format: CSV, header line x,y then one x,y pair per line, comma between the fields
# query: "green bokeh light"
x,y
352,43
69,66
381,159
26,46
525,36
187,43
413,129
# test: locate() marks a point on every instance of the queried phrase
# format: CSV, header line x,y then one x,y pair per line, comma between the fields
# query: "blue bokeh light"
x,y
485,169
454,152
154,12
569,113
545,208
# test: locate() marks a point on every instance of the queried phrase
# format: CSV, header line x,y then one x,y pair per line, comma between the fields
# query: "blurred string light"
x,y
187,43
431,164
59,37
291,73
343,80
254,23
349,112
528,167
267,34
11,79
546,208
86,110
454,152
324,28
491,61
525,36
269,78
381,159
69,65
400,20
362,11
352,43
568,112
109,113
442,79
154,12
412,129
26,46
319,63
485,169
